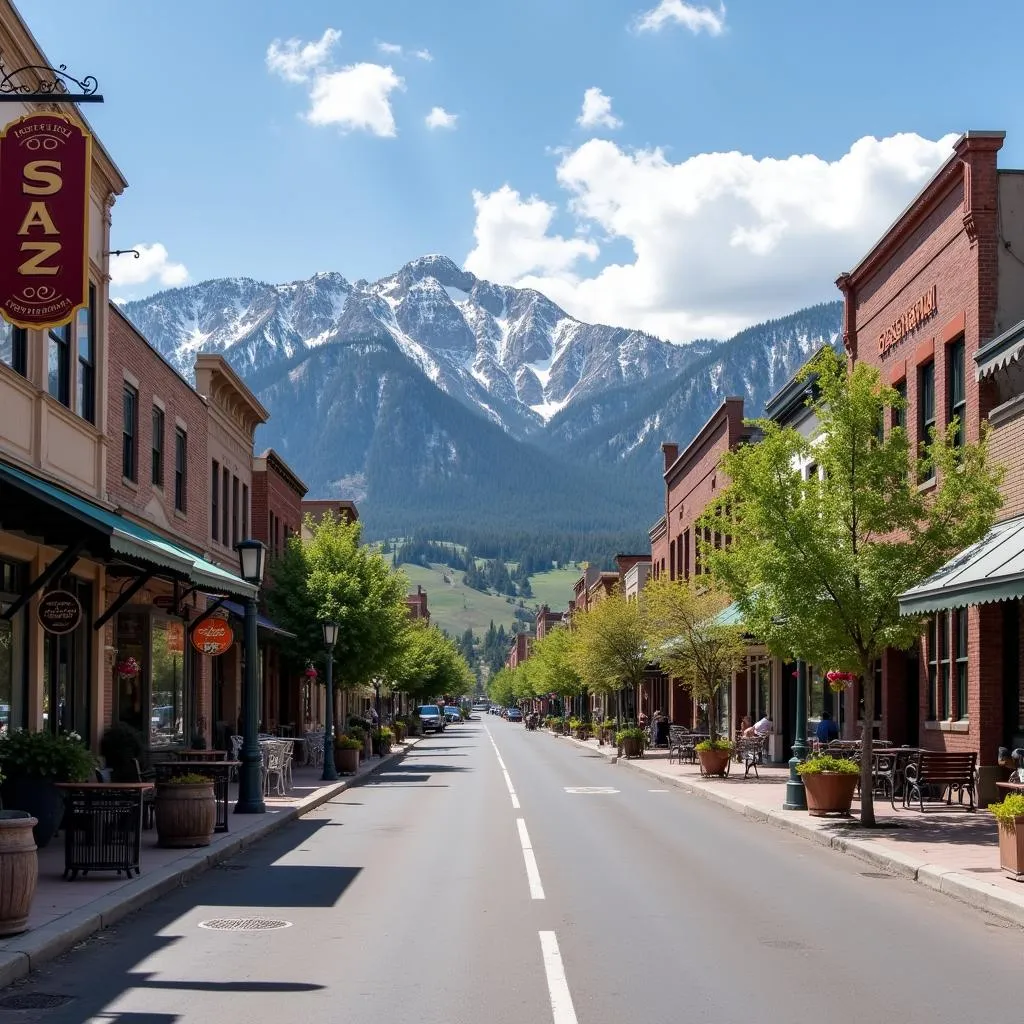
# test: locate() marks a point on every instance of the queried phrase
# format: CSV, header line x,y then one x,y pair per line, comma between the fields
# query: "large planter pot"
x,y
346,760
381,748
185,813
41,799
632,747
19,870
829,792
714,762
1011,848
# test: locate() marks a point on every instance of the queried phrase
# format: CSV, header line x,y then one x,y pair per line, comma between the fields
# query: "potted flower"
x,y
399,728
829,783
1010,817
310,674
357,732
19,868
127,668
382,739
185,810
714,756
346,754
32,763
839,681
631,741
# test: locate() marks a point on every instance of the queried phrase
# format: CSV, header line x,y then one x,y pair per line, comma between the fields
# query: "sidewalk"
x,y
948,849
64,912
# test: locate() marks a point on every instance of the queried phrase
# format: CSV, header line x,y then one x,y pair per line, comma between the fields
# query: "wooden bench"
x,y
946,770
749,751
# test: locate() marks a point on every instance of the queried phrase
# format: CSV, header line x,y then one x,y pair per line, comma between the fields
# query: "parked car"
x,y
453,714
515,715
431,718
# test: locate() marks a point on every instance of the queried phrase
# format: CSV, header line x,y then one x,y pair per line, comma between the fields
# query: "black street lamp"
x,y
796,796
330,773
252,557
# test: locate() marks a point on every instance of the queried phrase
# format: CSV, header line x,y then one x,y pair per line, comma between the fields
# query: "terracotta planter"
x,y
1011,848
829,792
714,762
19,870
185,813
346,760
632,747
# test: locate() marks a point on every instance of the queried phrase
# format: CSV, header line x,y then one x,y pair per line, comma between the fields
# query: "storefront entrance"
x,y
67,660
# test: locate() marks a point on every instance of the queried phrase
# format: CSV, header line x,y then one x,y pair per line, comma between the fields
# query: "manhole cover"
x,y
33,1001
876,874
243,924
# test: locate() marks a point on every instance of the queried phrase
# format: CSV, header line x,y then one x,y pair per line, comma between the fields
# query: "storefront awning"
x,y
1000,351
731,616
125,538
262,622
991,570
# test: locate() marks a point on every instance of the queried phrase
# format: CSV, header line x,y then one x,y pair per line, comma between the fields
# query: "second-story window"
x,y
157,468
957,390
926,410
899,413
130,434
234,511
180,469
245,510
85,341
214,502
225,511
58,364
14,347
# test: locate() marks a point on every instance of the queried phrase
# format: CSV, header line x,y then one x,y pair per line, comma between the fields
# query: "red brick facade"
x,y
277,495
417,605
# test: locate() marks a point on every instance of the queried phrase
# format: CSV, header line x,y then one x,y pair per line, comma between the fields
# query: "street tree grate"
x,y
33,1001
243,924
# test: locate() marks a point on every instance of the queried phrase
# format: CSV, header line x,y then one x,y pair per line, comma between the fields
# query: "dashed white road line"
x,y
562,1010
504,771
657,791
532,873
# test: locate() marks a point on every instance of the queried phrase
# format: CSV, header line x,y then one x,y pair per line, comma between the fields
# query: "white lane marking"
x,y
532,874
508,778
562,1011
657,791
590,789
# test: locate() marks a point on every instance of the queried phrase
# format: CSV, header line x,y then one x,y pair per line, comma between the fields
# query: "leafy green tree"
x,y
554,670
501,687
692,643
428,664
291,604
816,565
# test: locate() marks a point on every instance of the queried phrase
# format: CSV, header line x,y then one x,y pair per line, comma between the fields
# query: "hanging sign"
x,y
59,612
175,637
45,160
213,637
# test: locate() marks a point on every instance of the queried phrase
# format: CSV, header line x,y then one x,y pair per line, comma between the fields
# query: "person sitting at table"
x,y
761,727
827,730
745,724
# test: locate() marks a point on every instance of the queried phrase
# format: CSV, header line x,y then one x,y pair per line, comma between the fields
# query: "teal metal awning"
x,y
127,539
731,616
991,570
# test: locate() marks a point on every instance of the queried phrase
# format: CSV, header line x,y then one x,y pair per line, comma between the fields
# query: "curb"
x,y
960,886
22,954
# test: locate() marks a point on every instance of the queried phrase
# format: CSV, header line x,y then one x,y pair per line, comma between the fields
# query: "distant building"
x,y
417,605
519,651
548,620
317,508
634,571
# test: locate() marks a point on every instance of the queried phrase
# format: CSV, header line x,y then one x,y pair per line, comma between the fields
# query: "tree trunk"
x,y
867,796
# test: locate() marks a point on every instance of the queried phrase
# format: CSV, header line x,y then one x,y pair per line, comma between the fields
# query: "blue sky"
x,y
638,217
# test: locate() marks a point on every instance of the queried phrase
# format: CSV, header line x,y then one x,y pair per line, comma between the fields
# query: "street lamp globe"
x,y
252,558
330,634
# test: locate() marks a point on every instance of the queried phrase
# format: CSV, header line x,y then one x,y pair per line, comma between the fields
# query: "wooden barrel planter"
x,y
19,870
185,813
829,792
632,747
346,760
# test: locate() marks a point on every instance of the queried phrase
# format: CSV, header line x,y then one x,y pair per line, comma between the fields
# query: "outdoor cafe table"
x,y
219,771
102,826
201,755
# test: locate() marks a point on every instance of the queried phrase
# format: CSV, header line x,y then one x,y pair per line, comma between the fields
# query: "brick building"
x,y
547,620
315,508
941,284
417,605
519,650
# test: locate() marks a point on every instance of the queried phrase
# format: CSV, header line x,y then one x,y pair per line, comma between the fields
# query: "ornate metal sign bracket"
x,y
52,85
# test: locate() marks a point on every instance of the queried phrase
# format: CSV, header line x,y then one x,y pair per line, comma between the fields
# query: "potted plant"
x,y
1010,817
631,741
19,869
121,746
605,729
399,729
382,739
714,756
357,732
32,763
346,754
185,810
829,783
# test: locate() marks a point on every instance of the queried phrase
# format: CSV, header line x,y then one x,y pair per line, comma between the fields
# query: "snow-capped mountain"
x,y
440,400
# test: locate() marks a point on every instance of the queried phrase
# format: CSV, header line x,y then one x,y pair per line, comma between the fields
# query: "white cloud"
x,y
512,238
394,49
597,110
696,19
423,55
153,266
440,118
397,50
357,97
719,241
296,61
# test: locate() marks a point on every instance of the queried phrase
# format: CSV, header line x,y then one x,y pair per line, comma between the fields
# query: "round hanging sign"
x,y
213,637
59,612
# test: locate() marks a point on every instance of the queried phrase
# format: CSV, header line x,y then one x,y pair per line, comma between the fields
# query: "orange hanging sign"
x,y
213,637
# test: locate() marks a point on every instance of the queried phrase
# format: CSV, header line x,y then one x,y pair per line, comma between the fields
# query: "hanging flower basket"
x,y
839,681
310,673
128,668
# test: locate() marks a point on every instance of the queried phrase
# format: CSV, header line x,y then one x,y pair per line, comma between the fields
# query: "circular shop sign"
x,y
59,612
213,637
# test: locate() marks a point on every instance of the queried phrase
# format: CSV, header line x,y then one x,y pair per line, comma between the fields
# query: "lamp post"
x,y
796,797
252,561
330,639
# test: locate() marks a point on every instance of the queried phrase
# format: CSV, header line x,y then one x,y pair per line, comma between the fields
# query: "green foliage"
x,y
357,732
713,744
187,779
348,743
42,755
1010,809
384,735
631,733
553,667
818,763
609,644
428,663
816,565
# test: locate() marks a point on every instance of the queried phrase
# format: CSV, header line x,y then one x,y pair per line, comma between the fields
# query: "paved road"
x,y
427,896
